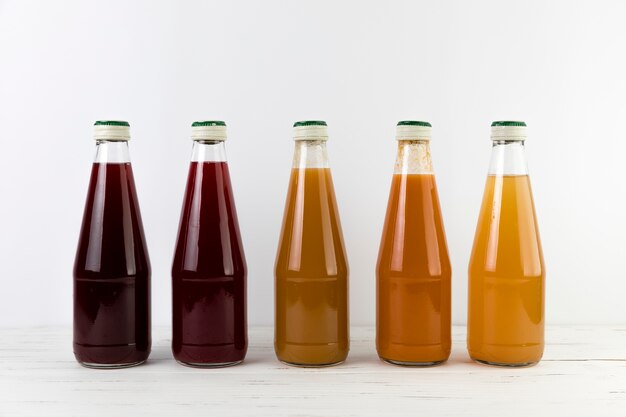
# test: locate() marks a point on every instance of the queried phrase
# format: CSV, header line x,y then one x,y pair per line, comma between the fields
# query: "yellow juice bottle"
x,y
413,275
311,271
506,269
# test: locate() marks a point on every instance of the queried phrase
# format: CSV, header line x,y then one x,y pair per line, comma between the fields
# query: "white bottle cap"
x,y
508,130
111,130
413,130
310,130
208,130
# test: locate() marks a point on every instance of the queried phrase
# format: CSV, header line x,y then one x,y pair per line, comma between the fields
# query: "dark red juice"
x,y
111,273
209,273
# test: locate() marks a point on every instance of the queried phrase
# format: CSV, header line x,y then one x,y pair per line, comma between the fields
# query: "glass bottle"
x,y
311,269
209,269
506,269
413,271
112,269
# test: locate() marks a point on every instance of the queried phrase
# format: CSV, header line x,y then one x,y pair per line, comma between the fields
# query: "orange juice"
x,y
506,277
311,274
413,276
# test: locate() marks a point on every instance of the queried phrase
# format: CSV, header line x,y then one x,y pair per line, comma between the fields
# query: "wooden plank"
x,y
584,373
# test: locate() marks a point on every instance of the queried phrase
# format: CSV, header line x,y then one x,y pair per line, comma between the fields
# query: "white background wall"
x,y
362,66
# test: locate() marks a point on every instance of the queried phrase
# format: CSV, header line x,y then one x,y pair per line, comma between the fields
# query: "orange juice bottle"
x,y
311,269
506,270
413,274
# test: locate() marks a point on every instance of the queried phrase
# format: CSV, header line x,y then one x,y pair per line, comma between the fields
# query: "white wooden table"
x,y
583,373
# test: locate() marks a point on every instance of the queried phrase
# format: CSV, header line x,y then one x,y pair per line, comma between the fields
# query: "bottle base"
x,y
414,364
124,355
91,365
506,365
209,365
311,355
312,365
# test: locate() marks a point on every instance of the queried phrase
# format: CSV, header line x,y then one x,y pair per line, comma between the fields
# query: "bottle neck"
x,y
413,158
508,158
310,154
208,151
112,152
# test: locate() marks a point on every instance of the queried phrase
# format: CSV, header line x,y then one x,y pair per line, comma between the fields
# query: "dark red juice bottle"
x,y
209,270
112,269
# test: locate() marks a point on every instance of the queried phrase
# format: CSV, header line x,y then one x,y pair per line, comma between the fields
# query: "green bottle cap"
x,y
208,123
310,123
413,123
310,130
111,123
508,123
507,130
111,130
208,130
413,130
